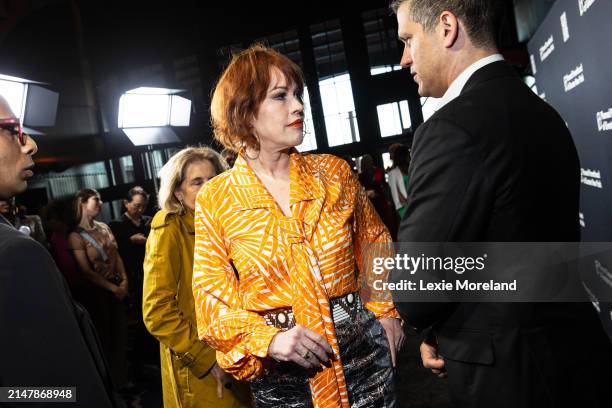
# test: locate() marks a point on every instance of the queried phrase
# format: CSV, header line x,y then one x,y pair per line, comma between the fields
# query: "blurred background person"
x,y
131,231
190,374
372,178
47,339
59,219
95,250
30,225
398,177
230,156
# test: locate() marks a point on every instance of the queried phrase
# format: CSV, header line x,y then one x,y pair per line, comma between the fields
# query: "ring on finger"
x,y
306,355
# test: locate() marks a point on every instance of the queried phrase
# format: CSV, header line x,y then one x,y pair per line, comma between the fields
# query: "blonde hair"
x,y
172,174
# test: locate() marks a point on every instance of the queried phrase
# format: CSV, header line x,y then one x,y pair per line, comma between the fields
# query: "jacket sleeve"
x,y
447,179
370,239
240,337
160,310
42,342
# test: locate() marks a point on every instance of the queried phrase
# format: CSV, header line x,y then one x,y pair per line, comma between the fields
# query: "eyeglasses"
x,y
14,126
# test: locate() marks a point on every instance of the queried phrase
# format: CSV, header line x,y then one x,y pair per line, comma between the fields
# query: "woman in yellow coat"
x,y
190,374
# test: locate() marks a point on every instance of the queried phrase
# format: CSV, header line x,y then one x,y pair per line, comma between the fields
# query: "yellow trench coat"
x,y
169,315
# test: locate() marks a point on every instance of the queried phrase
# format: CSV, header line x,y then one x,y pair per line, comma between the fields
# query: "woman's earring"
x,y
182,207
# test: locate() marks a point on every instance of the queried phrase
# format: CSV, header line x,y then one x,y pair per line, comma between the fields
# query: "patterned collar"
x,y
250,193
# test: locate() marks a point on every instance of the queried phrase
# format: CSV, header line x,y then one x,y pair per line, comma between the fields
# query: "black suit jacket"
x,y
498,164
47,339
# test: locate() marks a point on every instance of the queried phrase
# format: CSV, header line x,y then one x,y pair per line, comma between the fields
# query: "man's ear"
x,y
450,28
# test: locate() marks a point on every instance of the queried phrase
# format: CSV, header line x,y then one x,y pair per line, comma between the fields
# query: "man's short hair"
x,y
481,18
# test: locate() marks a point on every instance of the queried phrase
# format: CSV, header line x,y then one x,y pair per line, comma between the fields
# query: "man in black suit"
x,y
495,163
47,340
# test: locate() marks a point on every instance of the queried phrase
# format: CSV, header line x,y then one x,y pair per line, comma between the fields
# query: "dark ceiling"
x,y
91,51
84,48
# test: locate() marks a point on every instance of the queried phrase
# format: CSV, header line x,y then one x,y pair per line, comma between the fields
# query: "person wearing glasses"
x,y
190,374
131,231
95,250
278,257
47,338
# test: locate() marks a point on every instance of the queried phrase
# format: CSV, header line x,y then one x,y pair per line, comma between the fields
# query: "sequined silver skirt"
x,y
366,359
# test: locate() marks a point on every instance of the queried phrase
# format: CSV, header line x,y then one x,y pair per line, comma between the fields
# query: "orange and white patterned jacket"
x,y
301,261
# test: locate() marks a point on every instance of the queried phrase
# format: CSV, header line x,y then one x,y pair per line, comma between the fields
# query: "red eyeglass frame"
x,y
13,125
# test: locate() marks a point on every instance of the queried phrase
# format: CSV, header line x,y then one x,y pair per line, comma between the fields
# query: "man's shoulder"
x,y
13,244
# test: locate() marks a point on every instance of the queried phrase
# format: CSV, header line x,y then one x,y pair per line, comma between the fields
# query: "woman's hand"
x,y
395,335
222,378
301,346
139,239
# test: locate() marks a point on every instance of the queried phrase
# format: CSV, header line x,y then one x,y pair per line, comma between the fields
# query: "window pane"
x,y
334,83
393,118
384,68
384,49
157,161
310,142
68,182
339,110
126,167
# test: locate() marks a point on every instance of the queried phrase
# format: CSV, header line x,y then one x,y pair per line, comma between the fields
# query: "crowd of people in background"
x,y
103,263
255,270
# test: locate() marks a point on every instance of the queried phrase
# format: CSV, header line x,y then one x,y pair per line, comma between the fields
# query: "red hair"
x,y
241,90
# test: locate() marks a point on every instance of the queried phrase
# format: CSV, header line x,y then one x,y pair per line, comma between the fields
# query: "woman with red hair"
x,y
278,238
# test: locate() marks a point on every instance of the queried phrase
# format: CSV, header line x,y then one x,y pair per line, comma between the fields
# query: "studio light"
x,y
146,115
32,104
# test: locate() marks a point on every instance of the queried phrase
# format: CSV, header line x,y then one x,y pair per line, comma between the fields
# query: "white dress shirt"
x,y
454,90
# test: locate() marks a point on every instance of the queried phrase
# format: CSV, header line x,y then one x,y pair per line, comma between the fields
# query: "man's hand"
x,y
301,346
395,336
431,359
222,378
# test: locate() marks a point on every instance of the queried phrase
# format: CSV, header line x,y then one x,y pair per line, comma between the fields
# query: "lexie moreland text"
x,y
457,285
413,264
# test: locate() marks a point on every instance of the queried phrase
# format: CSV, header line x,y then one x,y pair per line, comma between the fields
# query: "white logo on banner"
x,y
581,218
584,5
603,273
533,64
574,78
591,178
564,27
604,120
547,48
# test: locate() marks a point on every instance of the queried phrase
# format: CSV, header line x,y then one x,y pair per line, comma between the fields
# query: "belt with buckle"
x,y
343,307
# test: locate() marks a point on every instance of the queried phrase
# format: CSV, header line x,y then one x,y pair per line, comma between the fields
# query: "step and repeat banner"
x,y
571,58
